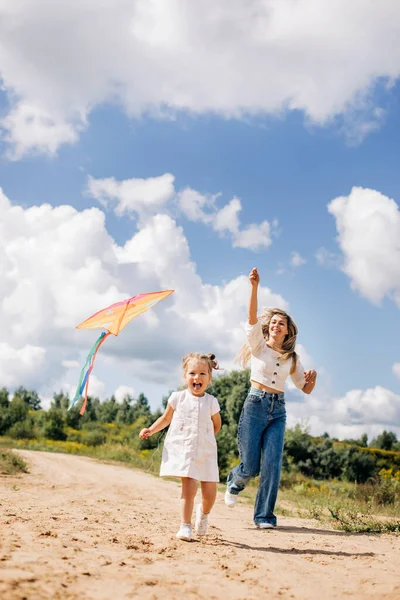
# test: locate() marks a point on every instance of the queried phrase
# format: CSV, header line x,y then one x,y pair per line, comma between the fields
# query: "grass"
x,y
146,460
11,463
367,508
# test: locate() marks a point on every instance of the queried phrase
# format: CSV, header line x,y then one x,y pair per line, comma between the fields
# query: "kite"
x,y
113,319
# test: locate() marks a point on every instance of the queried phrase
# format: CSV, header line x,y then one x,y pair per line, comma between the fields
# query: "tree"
x,y
385,441
60,401
125,411
107,411
18,410
360,466
54,425
4,399
141,407
30,397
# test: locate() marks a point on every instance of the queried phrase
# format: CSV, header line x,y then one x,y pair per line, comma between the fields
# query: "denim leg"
x,y
271,462
252,424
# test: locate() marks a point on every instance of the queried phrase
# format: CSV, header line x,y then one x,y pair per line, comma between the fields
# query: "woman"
x,y
261,430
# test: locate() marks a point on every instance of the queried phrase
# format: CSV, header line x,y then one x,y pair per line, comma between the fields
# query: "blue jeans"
x,y
261,435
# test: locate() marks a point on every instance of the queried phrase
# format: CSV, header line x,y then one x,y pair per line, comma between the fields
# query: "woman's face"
x,y
278,328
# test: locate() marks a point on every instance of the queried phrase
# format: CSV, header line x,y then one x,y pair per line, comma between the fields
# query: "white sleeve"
x,y
255,337
214,406
298,376
173,400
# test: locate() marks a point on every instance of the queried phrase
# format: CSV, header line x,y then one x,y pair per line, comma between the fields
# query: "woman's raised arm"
x,y
254,280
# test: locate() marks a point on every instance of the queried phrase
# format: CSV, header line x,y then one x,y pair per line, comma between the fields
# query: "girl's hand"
x,y
311,376
145,433
254,277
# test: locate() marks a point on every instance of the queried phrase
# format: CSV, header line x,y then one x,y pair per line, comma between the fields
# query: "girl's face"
x,y
197,376
278,328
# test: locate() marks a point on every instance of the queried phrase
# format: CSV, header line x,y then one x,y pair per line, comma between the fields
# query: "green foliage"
x,y
17,411
118,424
95,437
4,398
22,430
54,425
30,397
359,466
387,440
348,517
60,401
11,463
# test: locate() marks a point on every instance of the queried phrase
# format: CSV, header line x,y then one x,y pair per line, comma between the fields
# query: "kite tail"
x,y
86,370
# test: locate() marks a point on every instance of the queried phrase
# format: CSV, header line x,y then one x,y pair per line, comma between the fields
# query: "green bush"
x,y
11,463
22,430
93,438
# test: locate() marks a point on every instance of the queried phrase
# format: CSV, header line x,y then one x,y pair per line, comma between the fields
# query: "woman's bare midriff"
x,y
263,388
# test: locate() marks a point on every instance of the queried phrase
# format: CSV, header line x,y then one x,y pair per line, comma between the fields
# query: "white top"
x,y
267,366
190,448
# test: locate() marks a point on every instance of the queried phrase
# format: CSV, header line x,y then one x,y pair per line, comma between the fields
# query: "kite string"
x,y
155,451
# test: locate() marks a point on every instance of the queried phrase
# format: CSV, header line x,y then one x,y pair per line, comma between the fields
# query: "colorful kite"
x,y
113,319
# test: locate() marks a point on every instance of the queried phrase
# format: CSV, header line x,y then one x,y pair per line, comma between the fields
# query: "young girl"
x,y
190,449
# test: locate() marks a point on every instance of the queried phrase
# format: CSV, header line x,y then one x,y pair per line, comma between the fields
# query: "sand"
x,y
76,528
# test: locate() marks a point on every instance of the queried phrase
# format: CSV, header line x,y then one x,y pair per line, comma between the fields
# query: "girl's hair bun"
x,y
209,358
213,361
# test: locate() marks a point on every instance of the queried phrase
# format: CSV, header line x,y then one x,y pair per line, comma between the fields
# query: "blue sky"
x,y
286,155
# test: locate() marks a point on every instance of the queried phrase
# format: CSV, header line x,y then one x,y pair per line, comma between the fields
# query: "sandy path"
x,y
75,528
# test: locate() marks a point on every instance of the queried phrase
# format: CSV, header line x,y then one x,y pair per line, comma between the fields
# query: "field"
x,y
73,527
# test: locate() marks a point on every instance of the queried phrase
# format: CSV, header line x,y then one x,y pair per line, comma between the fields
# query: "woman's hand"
x,y
311,376
145,433
254,277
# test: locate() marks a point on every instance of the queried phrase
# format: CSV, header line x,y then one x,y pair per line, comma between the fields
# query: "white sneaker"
x,y
185,532
230,499
265,526
201,525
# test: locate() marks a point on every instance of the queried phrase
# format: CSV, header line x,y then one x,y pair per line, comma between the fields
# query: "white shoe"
x,y
230,499
265,526
201,525
185,532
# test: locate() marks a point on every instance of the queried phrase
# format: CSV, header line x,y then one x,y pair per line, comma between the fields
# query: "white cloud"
x,y
122,391
59,265
368,225
193,205
41,349
328,259
28,128
26,362
97,388
152,196
133,195
69,364
396,369
253,237
357,412
234,59
297,260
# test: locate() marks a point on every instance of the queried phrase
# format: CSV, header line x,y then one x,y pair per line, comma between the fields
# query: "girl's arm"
x,y
216,419
161,423
254,280
311,377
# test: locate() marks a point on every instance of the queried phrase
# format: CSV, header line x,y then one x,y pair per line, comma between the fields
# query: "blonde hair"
x,y
289,343
208,358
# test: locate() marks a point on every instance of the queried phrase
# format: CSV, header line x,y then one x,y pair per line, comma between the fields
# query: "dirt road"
x,y
75,528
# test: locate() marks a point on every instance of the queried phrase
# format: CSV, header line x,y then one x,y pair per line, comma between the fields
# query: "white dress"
x,y
190,448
